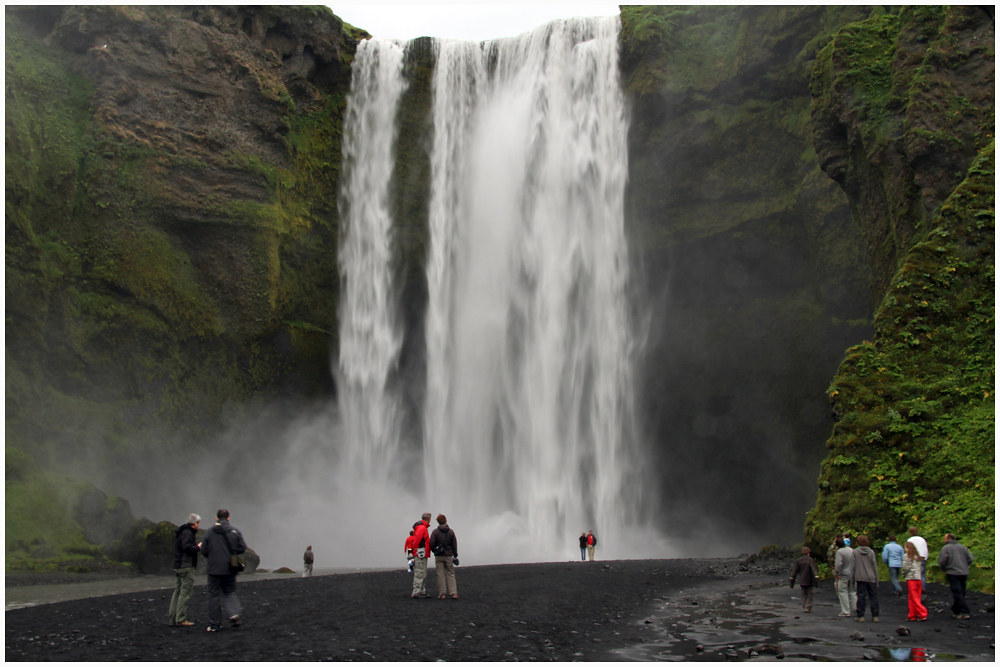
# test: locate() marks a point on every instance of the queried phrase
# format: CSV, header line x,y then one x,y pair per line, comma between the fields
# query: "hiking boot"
x,y
185,624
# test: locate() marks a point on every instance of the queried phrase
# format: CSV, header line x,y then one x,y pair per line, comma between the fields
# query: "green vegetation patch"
x,y
914,442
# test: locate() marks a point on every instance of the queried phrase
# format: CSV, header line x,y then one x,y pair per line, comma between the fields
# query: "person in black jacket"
x,y
806,574
444,546
219,543
583,546
185,562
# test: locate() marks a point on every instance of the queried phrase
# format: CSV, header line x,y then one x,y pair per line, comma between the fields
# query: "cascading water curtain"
x,y
528,422
370,336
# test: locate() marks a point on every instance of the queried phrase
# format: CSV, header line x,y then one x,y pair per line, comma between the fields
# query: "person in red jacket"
x,y
408,550
420,549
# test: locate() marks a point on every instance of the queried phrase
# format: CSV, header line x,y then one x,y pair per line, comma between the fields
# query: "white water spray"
x,y
528,423
370,337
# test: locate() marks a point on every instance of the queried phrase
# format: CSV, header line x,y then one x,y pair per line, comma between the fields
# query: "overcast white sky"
x,y
465,20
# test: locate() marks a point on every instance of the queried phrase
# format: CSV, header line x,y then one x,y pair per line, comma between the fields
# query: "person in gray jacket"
x,y
954,560
846,587
866,578
219,543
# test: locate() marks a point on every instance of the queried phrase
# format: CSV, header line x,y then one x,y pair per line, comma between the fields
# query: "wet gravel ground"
x,y
544,611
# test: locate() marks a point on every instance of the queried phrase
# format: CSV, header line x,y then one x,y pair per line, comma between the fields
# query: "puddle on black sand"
x,y
907,654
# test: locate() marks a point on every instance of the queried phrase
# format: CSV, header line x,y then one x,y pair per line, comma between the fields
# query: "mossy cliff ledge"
x,y
903,114
171,223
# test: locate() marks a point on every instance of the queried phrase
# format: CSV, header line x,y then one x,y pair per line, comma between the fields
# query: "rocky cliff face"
x,y
171,221
903,110
171,241
752,271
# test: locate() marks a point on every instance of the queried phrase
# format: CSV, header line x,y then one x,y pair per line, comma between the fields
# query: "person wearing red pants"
x,y
911,572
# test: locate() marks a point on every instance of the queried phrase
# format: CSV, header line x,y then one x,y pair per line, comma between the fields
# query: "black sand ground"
x,y
547,611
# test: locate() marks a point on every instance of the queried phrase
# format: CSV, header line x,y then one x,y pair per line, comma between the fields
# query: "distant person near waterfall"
x,y
420,540
185,563
408,550
307,562
583,546
591,544
220,543
444,546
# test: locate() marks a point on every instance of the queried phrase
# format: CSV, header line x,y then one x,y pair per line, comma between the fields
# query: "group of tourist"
x,y
856,574
588,543
444,545
221,545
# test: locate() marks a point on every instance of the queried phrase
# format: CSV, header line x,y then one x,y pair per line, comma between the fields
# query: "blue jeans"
x,y
583,553
894,576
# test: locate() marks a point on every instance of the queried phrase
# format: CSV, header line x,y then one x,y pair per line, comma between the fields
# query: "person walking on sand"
x,y
583,546
954,560
220,543
805,573
866,578
844,582
591,544
444,546
420,540
892,556
911,571
185,563
307,562
921,545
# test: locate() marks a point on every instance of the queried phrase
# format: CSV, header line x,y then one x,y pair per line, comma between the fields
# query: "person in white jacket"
x,y
921,545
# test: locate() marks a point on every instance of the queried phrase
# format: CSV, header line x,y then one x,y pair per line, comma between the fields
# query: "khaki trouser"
x,y
590,551
847,592
445,575
183,585
419,575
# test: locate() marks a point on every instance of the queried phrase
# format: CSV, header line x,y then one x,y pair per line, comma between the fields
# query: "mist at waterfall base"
x,y
528,433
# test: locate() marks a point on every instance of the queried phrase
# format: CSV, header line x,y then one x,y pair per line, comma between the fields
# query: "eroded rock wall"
x,y
904,116
751,272
171,223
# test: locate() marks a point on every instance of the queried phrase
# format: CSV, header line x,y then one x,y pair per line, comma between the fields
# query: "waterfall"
x,y
528,414
370,336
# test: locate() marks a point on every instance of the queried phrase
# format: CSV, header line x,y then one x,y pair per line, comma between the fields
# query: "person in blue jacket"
x,y
892,556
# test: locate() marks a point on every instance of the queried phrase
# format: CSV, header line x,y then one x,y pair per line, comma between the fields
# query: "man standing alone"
x,y
307,562
220,543
185,562
954,560
420,547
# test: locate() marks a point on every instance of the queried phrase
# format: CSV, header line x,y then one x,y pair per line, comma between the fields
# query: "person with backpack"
x,y
444,546
420,549
219,545
591,544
